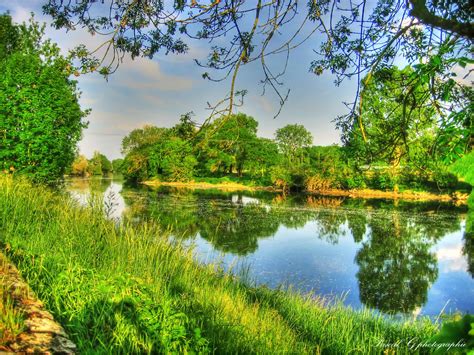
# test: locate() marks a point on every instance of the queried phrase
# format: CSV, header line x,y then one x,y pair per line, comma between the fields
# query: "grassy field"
x,y
127,289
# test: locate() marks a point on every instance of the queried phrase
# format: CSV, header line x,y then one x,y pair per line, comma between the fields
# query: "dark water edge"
x,y
393,256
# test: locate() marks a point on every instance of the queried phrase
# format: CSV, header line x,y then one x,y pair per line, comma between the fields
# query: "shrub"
x,y
319,183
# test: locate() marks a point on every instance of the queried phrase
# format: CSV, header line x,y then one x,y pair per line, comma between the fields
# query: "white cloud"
x,y
146,74
451,258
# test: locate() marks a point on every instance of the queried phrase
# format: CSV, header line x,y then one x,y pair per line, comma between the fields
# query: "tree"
x,y
95,164
359,38
106,165
397,124
291,140
80,166
154,152
117,165
228,142
262,154
138,148
40,117
176,161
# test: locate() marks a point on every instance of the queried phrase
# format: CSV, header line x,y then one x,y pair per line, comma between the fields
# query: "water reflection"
x,y
468,248
392,244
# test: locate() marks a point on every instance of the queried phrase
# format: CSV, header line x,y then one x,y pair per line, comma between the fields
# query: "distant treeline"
x,y
98,165
229,149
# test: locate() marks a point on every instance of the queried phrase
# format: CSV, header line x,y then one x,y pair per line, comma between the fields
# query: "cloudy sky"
x,y
158,91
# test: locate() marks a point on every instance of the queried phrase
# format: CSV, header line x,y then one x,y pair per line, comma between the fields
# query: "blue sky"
x,y
158,91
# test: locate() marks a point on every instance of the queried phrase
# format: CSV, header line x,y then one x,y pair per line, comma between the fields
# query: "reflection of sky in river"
x,y
453,288
309,261
297,257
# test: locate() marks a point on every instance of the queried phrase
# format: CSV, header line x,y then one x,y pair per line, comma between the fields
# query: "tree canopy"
x,y
40,117
291,140
358,38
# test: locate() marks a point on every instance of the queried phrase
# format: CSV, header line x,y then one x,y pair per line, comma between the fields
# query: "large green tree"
x,y
154,152
40,117
397,124
138,149
291,140
228,142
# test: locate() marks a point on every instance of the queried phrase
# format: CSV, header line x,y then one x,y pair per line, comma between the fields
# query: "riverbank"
x,y
202,185
457,197
126,289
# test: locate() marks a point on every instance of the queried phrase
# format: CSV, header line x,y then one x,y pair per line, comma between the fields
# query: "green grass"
x,y
464,168
127,289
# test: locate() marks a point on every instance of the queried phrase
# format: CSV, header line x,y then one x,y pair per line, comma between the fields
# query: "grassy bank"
x,y
225,186
205,184
127,289
460,197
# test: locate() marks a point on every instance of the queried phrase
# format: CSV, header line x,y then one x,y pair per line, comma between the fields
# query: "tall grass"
x,y
128,289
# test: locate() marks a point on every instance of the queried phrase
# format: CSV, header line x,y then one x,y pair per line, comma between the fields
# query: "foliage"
x,y
124,289
228,142
358,39
394,128
464,167
40,117
117,165
230,148
95,164
80,166
458,333
291,140
106,165
99,164
175,160
138,147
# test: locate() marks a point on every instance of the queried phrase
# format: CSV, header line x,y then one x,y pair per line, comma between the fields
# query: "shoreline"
x,y
457,197
225,186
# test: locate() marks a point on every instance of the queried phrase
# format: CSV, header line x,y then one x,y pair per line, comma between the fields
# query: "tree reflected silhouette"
x,y
468,248
396,264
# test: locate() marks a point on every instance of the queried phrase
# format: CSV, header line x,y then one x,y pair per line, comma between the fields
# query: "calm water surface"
x,y
395,257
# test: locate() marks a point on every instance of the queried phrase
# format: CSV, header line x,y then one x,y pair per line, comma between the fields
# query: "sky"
x,y
157,92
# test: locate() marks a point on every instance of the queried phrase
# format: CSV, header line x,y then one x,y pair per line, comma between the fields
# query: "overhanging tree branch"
x,y
421,12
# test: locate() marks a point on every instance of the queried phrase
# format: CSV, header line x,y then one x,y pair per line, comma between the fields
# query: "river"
x,y
396,257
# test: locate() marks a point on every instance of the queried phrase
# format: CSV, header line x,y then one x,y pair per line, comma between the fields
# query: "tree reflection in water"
x,y
468,248
396,266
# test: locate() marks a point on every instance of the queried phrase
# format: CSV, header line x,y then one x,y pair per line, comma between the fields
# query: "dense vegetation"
x,y
97,165
40,118
132,291
230,149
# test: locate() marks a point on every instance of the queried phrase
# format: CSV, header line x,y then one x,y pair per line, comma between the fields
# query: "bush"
x,y
383,180
319,183
353,182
